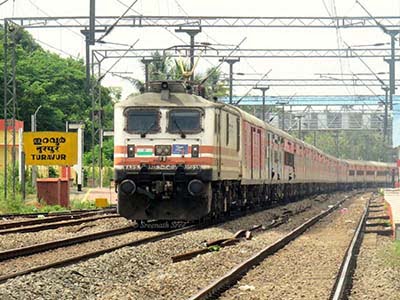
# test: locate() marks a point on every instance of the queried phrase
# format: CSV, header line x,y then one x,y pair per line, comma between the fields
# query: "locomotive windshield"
x,y
184,121
143,121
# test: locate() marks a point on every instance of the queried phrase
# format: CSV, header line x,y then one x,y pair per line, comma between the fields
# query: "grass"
x,y
19,206
391,255
397,249
79,204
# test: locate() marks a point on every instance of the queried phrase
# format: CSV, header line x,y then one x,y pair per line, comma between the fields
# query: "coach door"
x,y
260,167
255,153
218,133
268,153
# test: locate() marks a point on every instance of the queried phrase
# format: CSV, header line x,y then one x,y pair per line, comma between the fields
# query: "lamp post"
x,y
263,90
33,119
33,129
299,117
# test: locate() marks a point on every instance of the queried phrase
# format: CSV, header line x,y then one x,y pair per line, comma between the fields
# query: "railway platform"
x,y
91,194
392,199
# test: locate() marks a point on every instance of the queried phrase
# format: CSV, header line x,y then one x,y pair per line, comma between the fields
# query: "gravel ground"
x,y
22,263
17,240
146,272
306,268
378,269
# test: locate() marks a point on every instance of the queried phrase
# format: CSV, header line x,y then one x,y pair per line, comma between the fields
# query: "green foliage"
x,y
53,172
18,205
77,204
164,67
56,83
397,249
214,248
358,145
391,254
108,175
107,154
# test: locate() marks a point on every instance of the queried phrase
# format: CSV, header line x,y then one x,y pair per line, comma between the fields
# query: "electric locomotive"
x,y
163,160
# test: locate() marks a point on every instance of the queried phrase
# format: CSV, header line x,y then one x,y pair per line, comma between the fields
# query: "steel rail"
x,y
37,248
55,225
49,219
57,213
232,276
78,258
344,277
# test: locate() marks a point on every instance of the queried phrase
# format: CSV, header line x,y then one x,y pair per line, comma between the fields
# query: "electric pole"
x,y
299,117
386,116
263,90
146,62
192,33
231,62
392,65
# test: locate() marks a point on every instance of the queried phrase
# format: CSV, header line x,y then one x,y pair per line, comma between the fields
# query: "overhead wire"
x,y
248,92
211,38
222,61
165,28
48,15
118,60
140,14
339,40
57,49
4,2
111,28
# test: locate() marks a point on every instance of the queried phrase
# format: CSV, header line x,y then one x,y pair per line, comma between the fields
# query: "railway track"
x,y
8,255
59,213
147,271
51,219
229,279
50,223
14,254
367,224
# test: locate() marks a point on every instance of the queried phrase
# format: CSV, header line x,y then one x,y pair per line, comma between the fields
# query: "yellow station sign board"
x,y
51,148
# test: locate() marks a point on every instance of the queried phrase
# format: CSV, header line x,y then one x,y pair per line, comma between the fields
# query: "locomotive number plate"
x,y
180,149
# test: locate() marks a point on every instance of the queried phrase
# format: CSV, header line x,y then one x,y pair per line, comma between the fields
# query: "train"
x,y
181,157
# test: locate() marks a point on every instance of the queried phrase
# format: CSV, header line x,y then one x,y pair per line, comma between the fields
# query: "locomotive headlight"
x,y
131,150
195,150
163,150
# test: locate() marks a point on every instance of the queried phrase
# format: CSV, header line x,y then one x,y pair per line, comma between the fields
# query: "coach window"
x,y
143,121
289,159
184,121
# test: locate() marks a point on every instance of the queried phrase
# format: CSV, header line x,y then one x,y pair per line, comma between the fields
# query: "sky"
x,y
71,42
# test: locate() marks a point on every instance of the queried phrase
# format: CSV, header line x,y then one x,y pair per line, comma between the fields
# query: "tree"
x,y
56,83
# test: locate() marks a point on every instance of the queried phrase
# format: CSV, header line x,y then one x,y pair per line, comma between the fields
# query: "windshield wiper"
x,y
183,135
143,134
